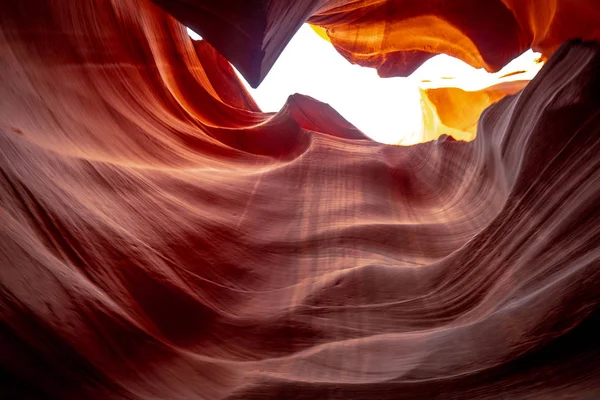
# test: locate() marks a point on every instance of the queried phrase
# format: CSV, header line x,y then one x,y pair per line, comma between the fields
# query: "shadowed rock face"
x,y
160,237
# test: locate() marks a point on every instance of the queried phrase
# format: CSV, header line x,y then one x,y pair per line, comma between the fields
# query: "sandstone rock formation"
x,y
394,36
161,238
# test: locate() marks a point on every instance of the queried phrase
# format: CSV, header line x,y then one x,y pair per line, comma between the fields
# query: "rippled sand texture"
x,y
163,239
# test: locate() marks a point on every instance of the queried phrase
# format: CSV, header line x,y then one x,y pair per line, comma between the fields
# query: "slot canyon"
x,y
163,237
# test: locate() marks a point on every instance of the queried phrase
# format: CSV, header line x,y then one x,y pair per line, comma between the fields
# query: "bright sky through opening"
x,y
386,109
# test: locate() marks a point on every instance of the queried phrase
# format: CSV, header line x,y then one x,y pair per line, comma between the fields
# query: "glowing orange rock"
x,y
397,36
455,112
393,36
547,24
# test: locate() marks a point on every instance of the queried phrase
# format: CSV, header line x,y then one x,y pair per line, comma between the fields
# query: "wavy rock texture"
x,y
163,239
393,36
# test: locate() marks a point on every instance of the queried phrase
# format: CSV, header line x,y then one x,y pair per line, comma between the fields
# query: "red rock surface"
x,y
161,238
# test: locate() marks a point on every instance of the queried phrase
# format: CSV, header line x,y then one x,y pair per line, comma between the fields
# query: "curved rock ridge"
x,y
397,36
161,238
393,36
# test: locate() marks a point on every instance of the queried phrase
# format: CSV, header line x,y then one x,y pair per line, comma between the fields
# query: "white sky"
x,y
386,109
